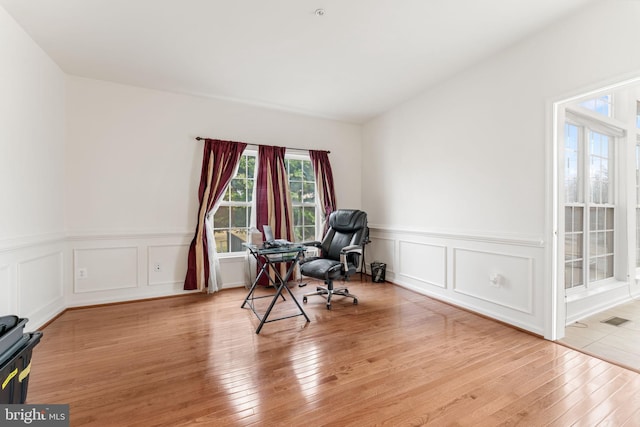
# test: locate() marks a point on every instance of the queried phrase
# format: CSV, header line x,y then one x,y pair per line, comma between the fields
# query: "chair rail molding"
x,y
126,235
496,238
25,242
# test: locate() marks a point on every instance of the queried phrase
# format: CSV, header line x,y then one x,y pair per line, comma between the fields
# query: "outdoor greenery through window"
x,y
232,219
302,184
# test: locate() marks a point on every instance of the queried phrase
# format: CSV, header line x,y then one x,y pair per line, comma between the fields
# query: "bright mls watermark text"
x,y
34,415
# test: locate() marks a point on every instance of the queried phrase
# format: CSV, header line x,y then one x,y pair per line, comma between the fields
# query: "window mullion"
x,y
586,211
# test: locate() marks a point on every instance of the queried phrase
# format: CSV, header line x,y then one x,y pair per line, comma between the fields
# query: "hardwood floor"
x,y
397,358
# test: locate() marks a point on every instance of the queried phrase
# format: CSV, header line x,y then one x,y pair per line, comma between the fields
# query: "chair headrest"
x,y
347,220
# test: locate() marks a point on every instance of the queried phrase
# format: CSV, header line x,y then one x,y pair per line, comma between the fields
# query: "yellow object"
x,y
9,378
25,373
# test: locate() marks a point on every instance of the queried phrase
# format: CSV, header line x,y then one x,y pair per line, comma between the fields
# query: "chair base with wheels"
x,y
329,292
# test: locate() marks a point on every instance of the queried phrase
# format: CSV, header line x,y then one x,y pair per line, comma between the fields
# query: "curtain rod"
x,y
199,138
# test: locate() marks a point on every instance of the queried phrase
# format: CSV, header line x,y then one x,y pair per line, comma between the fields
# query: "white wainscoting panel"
x,y
122,266
423,262
5,291
381,249
167,264
497,278
235,271
32,278
102,269
40,282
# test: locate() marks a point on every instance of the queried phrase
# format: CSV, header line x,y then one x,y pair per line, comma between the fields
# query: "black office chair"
x,y
340,252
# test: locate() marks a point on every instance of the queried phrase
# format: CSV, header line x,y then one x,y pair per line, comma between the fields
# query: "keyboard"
x,y
277,243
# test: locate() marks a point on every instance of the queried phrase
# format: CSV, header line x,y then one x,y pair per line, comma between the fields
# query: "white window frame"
x,y
251,222
231,204
587,122
604,99
303,204
636,260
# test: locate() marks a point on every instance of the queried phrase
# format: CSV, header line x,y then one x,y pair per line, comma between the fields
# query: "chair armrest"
x,y
313,243
352,249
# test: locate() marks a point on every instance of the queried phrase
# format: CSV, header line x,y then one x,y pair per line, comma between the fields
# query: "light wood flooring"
x,y
618,344
397,358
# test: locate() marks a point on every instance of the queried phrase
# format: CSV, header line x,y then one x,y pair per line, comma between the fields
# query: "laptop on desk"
x,y
270,242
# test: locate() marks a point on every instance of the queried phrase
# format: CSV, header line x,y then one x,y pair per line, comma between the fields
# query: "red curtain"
x,y
324,185
273,199
219,163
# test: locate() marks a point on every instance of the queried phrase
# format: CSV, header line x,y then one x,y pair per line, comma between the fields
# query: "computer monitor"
x,y
270,242
268,233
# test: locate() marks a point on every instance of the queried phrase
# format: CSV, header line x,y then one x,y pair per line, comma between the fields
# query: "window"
x,y
232,219
302,184
601,105
574,211
637,204
589,205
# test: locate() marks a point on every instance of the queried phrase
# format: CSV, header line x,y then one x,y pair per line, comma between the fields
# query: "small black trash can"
x,y
378,271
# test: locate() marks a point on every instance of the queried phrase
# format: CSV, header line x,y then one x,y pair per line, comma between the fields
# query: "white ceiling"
x,y
358,60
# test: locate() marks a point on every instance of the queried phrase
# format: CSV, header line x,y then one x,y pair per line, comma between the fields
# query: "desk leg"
x,y
286,280
263,269
253,286
283,285
273,302
298,304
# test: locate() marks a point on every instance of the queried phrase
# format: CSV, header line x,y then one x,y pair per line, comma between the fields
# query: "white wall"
x,y
133,168
32,159
117,193
476,150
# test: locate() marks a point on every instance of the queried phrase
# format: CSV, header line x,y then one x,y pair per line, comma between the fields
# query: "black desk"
x,y
273,256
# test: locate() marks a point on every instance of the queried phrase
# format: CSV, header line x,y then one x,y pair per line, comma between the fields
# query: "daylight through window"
x,y
232,219
589,205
